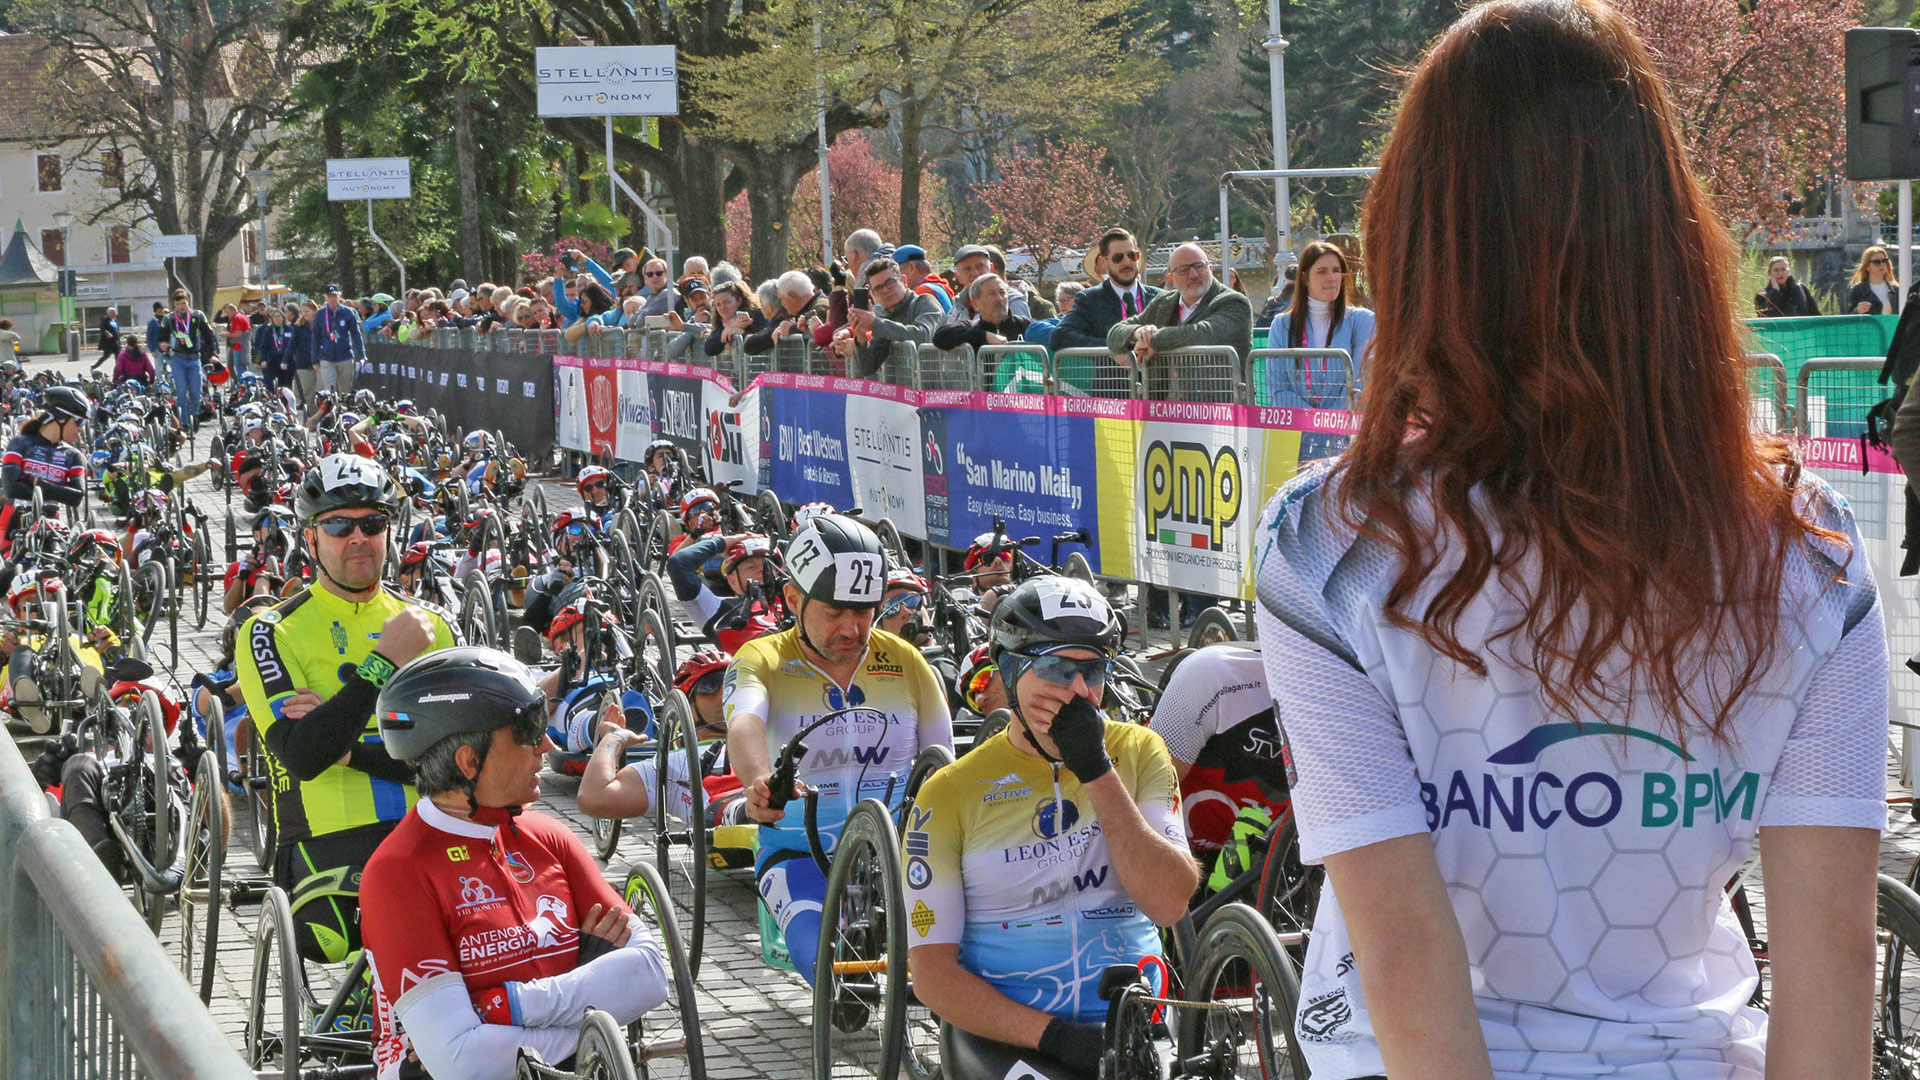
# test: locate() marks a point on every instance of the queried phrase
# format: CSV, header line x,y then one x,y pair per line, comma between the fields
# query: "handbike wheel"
x,y
680,819
1242,966
1211,627
602,1053
860,981
160,834
202,579
1077,566
658,634
1289,889
671,1032
772,514
272,1041
200,893
260,794
476,610
606,837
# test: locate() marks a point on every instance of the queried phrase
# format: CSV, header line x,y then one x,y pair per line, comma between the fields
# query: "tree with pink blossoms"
x,y
1052,197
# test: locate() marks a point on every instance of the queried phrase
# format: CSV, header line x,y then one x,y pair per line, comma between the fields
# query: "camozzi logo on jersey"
x,y
1545,799
1192,493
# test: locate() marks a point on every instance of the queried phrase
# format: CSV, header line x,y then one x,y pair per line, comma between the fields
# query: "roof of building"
x,y
23,264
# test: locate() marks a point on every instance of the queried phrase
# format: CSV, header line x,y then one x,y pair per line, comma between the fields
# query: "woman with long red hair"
x,y
1557,639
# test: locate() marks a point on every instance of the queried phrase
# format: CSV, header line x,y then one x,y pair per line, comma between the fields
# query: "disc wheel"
x,y
667,1040
206,836
859,998
272,1042
1244,978
680,820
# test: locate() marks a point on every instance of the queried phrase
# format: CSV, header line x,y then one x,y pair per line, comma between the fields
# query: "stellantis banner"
x,y
511,393
607,80
352,179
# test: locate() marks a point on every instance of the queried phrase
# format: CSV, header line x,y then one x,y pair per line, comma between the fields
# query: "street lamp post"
x,y
261,180
63,220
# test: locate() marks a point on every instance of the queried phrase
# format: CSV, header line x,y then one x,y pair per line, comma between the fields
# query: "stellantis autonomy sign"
x,y
607,80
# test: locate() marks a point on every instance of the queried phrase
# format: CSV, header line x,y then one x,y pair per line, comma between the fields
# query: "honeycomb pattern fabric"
x,y
1587,862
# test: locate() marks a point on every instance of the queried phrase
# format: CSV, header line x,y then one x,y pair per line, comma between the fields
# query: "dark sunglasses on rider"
x,y
710,683
911,601
594,485
371,525
1061,670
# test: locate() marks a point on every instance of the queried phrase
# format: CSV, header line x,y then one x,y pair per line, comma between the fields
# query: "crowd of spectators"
x,y
854,309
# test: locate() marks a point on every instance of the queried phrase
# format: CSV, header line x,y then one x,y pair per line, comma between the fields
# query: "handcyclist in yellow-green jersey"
x,y
310,670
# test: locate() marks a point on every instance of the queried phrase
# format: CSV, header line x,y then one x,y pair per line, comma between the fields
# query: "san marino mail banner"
x,y
1168,492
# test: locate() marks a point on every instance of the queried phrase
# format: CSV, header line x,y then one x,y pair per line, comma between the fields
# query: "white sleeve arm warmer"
x,y
450,1039
624,983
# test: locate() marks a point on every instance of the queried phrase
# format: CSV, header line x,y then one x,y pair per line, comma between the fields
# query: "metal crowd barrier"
x,y
1013,369
1833,395
85,989
1090,372
1769,409
1291,377
947,369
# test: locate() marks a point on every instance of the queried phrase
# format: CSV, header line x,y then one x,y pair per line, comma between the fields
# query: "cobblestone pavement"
x,y
756,1019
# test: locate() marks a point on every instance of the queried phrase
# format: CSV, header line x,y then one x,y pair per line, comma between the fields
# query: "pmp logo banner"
x,y
607,80
352,179
1196,515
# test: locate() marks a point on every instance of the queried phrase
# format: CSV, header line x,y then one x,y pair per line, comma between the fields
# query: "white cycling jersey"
x,y
1587,863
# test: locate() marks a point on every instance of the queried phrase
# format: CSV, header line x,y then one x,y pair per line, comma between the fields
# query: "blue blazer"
x,y
336,335
1287,384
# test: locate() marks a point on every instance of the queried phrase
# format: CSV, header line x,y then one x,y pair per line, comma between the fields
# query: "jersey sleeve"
x,y
1156,791
1357,783
1180,717
746,688
267,678
1833,770
936,896
404,928
930,704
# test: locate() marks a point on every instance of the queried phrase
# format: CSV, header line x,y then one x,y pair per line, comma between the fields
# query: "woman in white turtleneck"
x,y
1320,317
1875,290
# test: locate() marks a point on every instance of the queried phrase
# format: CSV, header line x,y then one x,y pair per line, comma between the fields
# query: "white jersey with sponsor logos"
x,y
1587,863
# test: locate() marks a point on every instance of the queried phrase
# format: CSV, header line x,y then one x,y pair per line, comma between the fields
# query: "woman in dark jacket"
x,y
1784,296
736,314
300,350
271,341
1875,290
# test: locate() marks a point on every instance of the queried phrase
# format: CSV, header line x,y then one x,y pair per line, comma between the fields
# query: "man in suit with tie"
x,y
337,345
1095,311
1197,310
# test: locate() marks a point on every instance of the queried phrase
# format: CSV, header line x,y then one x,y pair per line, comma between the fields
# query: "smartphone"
x,y
837,308
861,298
656,322
566,260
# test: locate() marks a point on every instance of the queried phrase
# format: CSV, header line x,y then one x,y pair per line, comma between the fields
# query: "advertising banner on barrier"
x,y
511,393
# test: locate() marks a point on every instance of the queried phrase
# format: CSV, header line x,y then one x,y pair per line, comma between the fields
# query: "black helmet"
x,y
65,402
1053,610
453,691
836,559
345,482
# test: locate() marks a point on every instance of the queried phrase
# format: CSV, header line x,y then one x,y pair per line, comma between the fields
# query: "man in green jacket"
x,y
1194,310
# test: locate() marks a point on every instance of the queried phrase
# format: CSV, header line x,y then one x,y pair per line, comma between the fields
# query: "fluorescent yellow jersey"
x,y
313,641
1010,865
898,707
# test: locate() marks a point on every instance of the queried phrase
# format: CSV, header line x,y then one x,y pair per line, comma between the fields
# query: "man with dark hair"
x,y
897,314
1121,296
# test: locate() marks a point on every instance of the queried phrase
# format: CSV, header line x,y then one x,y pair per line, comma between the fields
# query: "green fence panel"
x,y
1797,340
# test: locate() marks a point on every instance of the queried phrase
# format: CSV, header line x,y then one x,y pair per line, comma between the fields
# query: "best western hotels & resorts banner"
x,y
1171,492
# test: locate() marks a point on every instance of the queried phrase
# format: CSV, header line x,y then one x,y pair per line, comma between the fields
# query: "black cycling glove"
x,y
1074,1044
593,947
1080,733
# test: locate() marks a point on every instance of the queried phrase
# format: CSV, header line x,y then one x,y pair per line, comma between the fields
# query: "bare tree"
x,y
171,104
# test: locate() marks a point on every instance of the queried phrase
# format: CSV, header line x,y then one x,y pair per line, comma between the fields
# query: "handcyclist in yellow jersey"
x,y
311,669
833,659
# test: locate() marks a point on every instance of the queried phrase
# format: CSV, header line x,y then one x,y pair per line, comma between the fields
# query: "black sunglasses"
x,y
710,683
1124,256
1876,261
371,525
594,485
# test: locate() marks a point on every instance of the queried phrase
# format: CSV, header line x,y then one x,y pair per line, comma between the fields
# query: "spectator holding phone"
x,y
881,313
736,314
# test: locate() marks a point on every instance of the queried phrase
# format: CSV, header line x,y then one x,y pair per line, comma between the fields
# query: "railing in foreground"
x,y
1215,374
85,990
